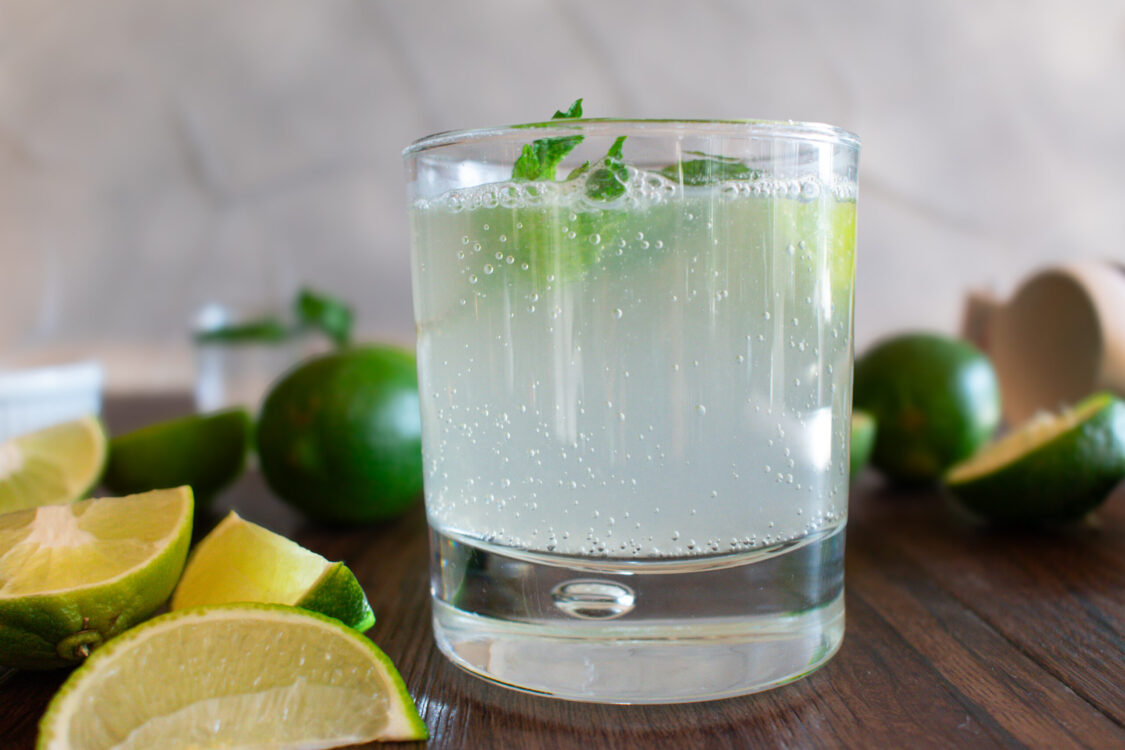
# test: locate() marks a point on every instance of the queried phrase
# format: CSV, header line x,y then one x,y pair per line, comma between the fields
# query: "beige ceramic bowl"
x,y
1058,339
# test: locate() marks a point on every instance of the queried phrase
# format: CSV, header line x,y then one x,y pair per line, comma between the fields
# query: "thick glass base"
x,y
625,631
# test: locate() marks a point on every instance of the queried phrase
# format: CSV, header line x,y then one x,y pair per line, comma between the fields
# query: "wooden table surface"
x,y
956,637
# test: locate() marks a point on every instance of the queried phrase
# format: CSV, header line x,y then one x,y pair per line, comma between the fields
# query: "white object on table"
x,y
34,398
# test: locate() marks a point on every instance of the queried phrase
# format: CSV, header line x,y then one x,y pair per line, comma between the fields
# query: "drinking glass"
x,y
635,376
238,370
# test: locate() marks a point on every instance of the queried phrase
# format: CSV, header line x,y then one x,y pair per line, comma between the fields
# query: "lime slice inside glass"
x,y
862,441
73,576
240,561
1054,468
206,451
55,465
235,675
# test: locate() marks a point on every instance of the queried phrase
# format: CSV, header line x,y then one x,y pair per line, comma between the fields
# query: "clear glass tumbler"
x,y
635,377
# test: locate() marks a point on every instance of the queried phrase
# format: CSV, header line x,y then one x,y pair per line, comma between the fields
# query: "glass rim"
x,y
818,132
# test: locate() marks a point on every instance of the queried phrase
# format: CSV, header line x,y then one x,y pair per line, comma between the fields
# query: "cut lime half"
x,y
235,675
54,465
1054,468
205,451
73,576
240,561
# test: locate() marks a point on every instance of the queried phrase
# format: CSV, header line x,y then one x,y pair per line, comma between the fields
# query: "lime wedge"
x,y
73,576
1054,468
242,562
234,675
55,465
205,451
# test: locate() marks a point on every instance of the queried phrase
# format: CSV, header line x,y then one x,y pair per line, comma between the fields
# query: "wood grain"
x,y
957,637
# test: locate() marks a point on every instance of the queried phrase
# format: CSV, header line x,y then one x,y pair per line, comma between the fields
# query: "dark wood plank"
x,y
23,697
957,637
1057,595
991,673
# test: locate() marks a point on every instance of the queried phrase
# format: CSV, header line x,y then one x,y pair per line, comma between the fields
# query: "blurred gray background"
x,y
155,155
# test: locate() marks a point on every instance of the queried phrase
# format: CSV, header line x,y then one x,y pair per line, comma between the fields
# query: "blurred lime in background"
x,y
58,464
934,398
339,437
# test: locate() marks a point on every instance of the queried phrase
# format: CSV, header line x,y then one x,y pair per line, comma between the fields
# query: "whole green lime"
x,y
340,436
934,398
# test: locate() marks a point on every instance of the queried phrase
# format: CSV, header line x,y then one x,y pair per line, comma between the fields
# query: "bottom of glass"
x,y
692,633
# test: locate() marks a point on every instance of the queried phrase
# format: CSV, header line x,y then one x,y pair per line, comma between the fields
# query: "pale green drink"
x,y
650,389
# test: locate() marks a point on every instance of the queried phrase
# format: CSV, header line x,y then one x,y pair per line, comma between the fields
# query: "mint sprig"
x,y
267,330
544,243
540,159
327,314
312,310
608,181
708,170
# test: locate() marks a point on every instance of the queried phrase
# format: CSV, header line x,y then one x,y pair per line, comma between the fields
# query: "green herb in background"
x,y
313,310
269,330
330,316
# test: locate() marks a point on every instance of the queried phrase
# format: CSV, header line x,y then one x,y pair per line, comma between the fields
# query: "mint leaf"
x,y
709,170
581,169
264,330
540,159
328,315
573,113
608,181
